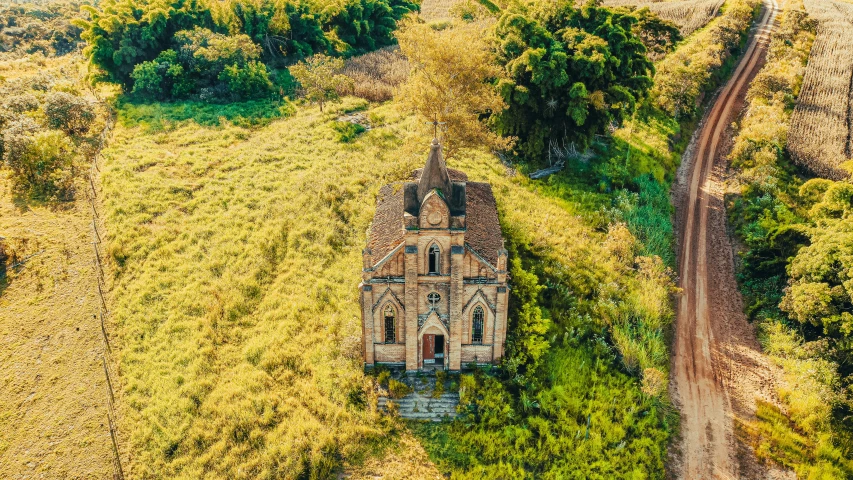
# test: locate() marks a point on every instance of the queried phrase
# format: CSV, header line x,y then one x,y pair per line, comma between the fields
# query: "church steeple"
x,y
434,174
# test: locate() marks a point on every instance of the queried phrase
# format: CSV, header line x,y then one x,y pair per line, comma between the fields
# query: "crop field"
x,y
689,15
821,136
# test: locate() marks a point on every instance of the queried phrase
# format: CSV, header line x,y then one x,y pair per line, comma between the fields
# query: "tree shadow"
x,y
163,116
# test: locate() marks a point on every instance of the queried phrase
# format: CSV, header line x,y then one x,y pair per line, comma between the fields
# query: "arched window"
x,y
390,324
477,330
434,259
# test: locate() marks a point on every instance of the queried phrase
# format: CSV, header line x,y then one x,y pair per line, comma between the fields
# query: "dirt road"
x,y
718,368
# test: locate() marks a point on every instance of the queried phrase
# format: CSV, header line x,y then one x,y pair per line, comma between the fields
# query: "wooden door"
x,y
429,348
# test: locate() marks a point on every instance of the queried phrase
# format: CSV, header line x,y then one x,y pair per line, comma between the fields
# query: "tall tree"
x,y
452,80
570,72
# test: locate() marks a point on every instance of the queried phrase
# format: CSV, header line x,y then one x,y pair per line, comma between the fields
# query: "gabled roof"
x,y
477,203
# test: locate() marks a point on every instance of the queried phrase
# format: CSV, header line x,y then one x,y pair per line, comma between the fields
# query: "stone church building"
x,y
434,292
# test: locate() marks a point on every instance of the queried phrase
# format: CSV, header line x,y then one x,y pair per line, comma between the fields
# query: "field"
x,y
689,15
821,136
435,10
237,256
53,393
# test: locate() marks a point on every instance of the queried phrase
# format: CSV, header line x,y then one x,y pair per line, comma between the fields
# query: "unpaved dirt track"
x,y
718,368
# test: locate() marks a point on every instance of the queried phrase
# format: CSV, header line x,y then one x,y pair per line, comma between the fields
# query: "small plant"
x,y
347,131
383,377
398,389
392,408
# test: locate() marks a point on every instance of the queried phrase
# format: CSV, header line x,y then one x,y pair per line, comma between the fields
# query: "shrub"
x,y
212,65
348,131
250,81
397,389
70,113
25,102
383,377
41,161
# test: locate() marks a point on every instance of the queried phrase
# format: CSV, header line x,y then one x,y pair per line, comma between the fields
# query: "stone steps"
x,y
423,407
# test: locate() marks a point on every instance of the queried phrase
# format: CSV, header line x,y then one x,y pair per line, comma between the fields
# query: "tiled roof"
x,y
386,231
483,234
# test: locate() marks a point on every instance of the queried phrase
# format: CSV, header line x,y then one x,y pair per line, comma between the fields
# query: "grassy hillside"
x,y
237,256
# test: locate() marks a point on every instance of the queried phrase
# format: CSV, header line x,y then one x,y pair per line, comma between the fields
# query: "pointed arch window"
x,y
434,260
477,325
390,324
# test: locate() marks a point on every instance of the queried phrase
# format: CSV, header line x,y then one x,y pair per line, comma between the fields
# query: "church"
x,y
434,285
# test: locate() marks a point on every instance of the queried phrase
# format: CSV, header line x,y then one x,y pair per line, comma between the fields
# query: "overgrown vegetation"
x,y
47,29
796,240
533,418
48,126
129,42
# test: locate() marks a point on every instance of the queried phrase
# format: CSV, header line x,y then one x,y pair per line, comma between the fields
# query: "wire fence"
x,y
92,197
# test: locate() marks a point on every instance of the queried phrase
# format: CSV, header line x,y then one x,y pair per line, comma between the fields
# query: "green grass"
x,y
237,257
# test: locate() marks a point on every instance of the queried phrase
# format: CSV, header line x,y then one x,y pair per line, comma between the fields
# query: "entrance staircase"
x,y
420,406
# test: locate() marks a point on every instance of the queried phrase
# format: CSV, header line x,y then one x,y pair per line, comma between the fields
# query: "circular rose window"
x,y
434,218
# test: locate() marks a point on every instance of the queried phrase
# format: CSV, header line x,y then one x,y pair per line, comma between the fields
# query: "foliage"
x,y
320,78
792,268
212,65
45,29
688,73
123,34
41,161
450,81
570,73
659,36
398,389
70,113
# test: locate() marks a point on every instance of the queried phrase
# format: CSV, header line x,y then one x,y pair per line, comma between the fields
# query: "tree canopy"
x,y
570,72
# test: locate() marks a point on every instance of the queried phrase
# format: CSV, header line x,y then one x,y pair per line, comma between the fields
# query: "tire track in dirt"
x,y
718,369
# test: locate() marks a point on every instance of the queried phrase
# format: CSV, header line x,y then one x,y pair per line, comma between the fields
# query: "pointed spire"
x,y
434,174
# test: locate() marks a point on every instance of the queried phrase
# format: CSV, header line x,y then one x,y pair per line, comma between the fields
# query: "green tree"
x,y
570,73
320,78
123,33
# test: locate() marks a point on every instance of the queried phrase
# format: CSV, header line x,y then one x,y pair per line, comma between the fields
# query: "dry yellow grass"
x,y
437,10
689,15
377,75
821,135
53,394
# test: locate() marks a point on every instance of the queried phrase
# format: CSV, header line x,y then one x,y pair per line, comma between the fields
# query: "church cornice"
x,y
385,258
485,300
381,297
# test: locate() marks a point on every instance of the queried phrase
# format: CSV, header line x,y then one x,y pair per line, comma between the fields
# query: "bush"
x,y
70,113
397,389
250,81
212,65
41,161
348,131
25,102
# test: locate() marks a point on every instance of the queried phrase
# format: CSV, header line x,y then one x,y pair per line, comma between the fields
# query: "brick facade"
x,y
434,266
